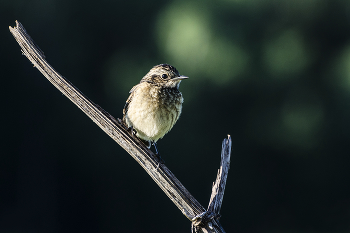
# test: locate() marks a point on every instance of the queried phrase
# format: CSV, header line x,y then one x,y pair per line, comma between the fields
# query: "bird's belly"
x,y
152,120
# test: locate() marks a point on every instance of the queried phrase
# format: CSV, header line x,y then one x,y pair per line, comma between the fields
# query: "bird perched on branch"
x,y
155,104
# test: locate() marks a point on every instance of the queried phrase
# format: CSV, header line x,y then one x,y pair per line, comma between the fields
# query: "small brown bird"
x,y
155,104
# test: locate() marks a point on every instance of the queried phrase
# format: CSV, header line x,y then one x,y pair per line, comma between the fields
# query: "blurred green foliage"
x,y
274,74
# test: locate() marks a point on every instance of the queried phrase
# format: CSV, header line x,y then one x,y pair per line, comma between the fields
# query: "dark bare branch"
x,y
166,180
219,185
202,222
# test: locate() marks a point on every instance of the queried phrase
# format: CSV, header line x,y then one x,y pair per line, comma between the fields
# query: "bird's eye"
x,y
164,76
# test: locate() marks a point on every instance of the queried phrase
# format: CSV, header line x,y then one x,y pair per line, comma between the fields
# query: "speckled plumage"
x,y
155,104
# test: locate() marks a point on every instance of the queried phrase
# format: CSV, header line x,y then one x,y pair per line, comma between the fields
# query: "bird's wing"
x,y
126,106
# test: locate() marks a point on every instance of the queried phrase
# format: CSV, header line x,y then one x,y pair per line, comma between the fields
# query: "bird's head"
x,y
164,75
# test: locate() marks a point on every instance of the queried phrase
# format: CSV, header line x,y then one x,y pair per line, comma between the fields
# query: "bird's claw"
x,y
160,160
132,131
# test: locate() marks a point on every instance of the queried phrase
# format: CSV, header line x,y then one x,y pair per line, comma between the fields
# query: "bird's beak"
x,y
180,78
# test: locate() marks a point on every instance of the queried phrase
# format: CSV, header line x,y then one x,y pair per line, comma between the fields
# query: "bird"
x,y
155,104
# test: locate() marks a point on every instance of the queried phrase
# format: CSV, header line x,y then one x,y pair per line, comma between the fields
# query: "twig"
x,y
219,185
217,193
165,179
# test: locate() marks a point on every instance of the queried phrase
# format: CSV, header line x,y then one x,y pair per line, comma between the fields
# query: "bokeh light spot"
x,y
302,117
186,35
286,54
342,69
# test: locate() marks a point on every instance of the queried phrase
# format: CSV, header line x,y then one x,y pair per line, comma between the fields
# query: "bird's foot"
x,y
132,131
160,160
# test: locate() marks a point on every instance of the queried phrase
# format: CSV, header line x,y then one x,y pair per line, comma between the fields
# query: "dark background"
x,y
274,74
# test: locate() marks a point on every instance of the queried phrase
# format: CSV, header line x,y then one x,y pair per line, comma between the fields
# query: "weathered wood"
x,y
203,222
219,185
165,179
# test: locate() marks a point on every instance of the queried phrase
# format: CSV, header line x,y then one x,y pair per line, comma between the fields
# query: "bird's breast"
x,y
154,111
